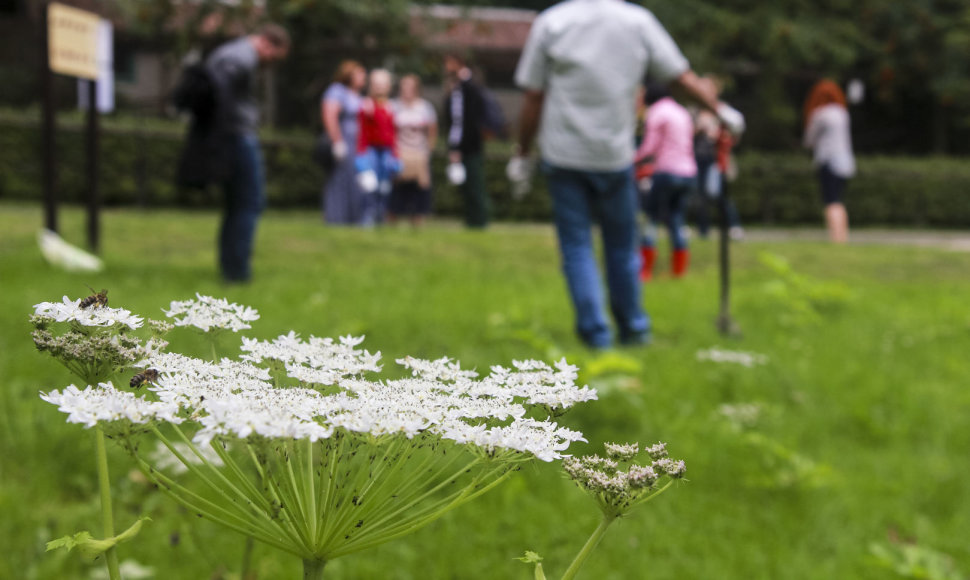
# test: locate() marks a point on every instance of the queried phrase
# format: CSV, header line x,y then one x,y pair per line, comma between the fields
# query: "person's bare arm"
x,y
704,93
432,135
697,90
330,114
529,119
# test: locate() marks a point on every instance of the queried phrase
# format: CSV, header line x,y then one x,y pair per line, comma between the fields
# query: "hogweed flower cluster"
x,y
738,357
294,445
616,483
207,313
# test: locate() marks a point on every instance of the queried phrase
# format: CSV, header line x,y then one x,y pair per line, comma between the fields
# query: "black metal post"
x,y
725,324
93,162
47,153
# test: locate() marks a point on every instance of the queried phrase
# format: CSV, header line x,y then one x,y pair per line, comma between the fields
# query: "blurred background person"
x,y
376,158
339,108
581,70
417,133
232,69
828,134
464,118
668,142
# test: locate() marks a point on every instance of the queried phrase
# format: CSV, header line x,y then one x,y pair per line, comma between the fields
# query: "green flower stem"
x,y
655,493
104,483
311,491
227,485
591,543
269,528
407,496
427,516
214,512
313,569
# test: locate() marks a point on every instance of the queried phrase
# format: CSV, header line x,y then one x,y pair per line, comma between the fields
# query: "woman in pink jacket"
x,y
669,144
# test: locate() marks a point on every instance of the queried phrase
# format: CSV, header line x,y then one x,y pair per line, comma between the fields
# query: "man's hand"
x,y
732,119
519,171
339,151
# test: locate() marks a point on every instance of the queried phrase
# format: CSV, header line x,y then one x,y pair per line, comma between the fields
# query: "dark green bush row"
x,y
773,188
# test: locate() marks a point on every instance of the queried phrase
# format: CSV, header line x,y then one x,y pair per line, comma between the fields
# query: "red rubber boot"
x,y
679,261
648,255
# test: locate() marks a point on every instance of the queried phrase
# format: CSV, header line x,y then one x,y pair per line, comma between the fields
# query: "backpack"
x,y
494,122
195,92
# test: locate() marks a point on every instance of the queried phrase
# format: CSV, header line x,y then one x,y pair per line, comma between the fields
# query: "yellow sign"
x,y
72,41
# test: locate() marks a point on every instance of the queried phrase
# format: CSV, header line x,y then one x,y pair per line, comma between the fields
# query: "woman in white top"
x,y
416,125
827,134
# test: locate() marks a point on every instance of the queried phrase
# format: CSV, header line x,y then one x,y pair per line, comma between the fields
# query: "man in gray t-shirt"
x,y
581,69
232,70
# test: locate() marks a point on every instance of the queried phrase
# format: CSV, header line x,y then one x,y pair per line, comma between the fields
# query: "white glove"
x,y
731,118
367,180
456,173
339,150
519,171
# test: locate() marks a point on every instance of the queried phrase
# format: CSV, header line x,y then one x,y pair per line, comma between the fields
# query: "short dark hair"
x,y
275,34
655,92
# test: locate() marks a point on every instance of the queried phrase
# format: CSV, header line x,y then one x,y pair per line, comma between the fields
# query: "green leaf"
x,y
91,548
534,558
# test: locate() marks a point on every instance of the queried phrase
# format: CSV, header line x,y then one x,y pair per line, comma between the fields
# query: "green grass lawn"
x,y
861,433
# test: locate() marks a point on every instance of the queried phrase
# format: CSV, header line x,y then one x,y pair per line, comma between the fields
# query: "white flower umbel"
x,y
105,404
316,360
207,313
71,311
738,357
323,461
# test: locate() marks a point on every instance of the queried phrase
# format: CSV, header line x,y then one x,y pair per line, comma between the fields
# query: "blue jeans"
x,y
244,201
581,198
381,161
667,203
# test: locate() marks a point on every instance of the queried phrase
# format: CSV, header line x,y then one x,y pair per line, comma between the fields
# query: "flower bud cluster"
x,y
93,341
618,484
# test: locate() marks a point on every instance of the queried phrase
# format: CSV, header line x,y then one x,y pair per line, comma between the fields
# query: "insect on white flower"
x,y
71,311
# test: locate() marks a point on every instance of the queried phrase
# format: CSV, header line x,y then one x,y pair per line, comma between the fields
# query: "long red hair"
x,y
825,92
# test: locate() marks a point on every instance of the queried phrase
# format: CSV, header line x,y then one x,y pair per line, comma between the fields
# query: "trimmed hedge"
x,y
773,188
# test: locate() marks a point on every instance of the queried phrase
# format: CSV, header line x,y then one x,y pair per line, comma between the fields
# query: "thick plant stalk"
x,y
104,484
591,544
313,569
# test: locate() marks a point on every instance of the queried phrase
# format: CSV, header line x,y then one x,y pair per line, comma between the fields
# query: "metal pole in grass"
x,y
93,167
48,163
725,324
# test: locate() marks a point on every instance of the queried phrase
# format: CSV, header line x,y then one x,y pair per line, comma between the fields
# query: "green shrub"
x,y
139,160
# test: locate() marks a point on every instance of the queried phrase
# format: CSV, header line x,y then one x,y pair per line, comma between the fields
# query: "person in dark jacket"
x,y
232,69
464,117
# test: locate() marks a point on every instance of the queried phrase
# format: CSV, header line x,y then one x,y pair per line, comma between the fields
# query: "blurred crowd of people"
x,y
381,147
377,145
